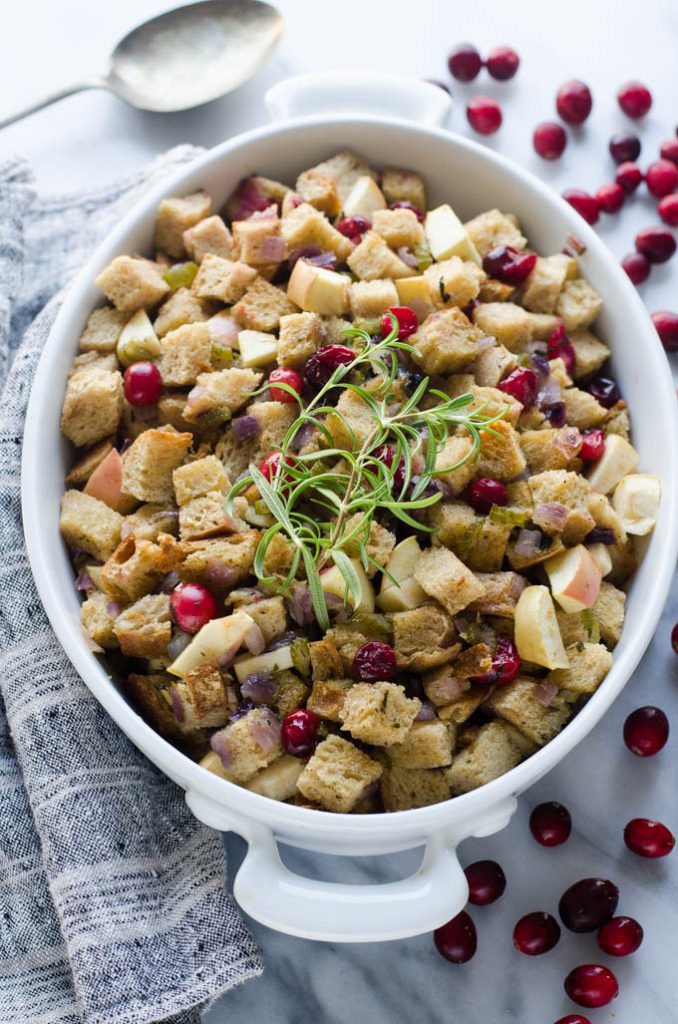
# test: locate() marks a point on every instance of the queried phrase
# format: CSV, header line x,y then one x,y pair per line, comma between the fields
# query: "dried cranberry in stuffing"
x,y
374,662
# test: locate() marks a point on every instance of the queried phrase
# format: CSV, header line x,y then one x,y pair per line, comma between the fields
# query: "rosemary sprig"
x,y
312,504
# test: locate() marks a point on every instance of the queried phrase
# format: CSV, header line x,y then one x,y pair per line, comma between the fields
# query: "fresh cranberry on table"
x,y
485,492
610,197
605,390
464,63
374,662
588,904
405,204
648,838
269,467
574,102
573,1018
624,147
298,732
620,937
591,985
667,208
353,227
549,140
505,664
637,267
502,63
657,243
586,205
192,605
646,731
560,347
629,176
635,99
457,940
407,322
486,882
508,264
550,823
536,933
674,638
669,150
666,325
661,178
142,383
592,445
522,384
484,115
284,376
322,364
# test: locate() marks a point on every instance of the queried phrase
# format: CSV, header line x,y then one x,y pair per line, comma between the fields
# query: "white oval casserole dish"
x,y
472,179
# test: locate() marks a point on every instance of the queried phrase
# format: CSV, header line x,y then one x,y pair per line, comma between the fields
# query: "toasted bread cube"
x,y
182,307
609,613
455,461
494,228
399,186
222,389
209,235
337,774
241,753
370,299
144,629
617,420
305,227
279,780
149,521
92,405
150,461
479,542
379,542
301,334
206,516
583,411
423,637
250,240
398,227
207,561
135,566
510,324
492,365
378,713
542,326
474,661
98,619
550,449
292,692
502,590
200,699
404,788
326,661
445,342
453,282
591,353
320,191
199,477
373,259
517,704
589,664
492,290
500,456
578,305
222,279
176,216
572,628
460,710
150,694
492,753
327,697
185,354
88,524
344,169
171,412
132,284
426,745
95,362
270,616
102,330
262,306
354,413
275,419
540,292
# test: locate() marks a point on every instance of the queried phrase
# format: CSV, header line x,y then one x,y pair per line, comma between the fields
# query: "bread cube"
x,y
591,353
500,456
222,279
150,694
327,697
550,449
92,406
380,542
135,566
206,516
320,191
370,299
301,334
378,713
460,710
144,629
182,307
150,461
443,576
199,477
423,637
589,664
399,186
542,327
398,227
492,365
578,305
185,354
617,421
132,283
609,613
502,590
279,780
494,228
583,410
98,620
337,774
227,390
479,542
453,282
405,788
373,259
275,419
209,235
540,292
426,745
241,753
305,227
200,699
250,240
517,704
354,413
492,753
88,524
344,169
510,324
445,342
177,215
102,330
292,692
149,521
219,563
456,452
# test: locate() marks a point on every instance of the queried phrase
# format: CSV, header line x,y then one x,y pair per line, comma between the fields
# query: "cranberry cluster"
x,y
483,112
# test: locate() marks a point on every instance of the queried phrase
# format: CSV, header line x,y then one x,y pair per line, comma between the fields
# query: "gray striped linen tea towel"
x,y
113,908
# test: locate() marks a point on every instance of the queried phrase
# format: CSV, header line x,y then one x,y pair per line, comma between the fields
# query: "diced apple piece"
x,y
636,502
413,289
94,573
447,236
279,780
105,483
575,577
602,556
402,598
333,582
406,593
618,459
216,638
270,661
537,635
364,198
257,348
138,340
318,290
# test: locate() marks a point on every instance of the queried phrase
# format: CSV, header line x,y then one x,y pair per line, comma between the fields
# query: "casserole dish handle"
x,y
339,912
359,92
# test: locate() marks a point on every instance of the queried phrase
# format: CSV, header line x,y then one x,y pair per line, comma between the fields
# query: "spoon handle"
x,y
60,94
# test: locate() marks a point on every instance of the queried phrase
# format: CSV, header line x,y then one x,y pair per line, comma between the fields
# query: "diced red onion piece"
x,y
551,515
407,256
540,364
448,689
333,602
265,729
369,790
169,581
301,606
421,308
303,436
528,543
426,713
301,254
113,608
268,213
127,443
219,744
568,441
545,692
254,639
177,704
223,330
259,686
178,643
83,580
227,656
549,391
273,248
487,341
245,428
323,259
194,396
518,584
220,575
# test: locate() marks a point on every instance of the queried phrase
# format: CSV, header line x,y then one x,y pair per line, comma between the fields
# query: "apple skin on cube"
x,y
537,635
257,348
575,577
105,483
318,290
215,638
447,237
333,582
407,593
364,198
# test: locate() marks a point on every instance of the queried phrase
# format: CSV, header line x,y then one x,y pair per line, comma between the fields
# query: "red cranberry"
x,y
648,838
192,605
637,267
591,985
657,243
674,631
592,445
407,322
322,364
661,177
484,115
573,1018
550,824
464,63
635,99
587,904
457,940
667,208
405,204
508,264
485,492
610,198
624,146
298,732
549,140
269,468
620,937
605,390
667,328
284,376
374,662
669,150
629,176
143,383
536,933
486,882
560,347
502,63
646,731
522,384
353,227
585,204
505,664
574,102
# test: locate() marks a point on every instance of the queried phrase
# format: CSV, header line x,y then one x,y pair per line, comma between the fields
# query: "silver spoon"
x,y
184,57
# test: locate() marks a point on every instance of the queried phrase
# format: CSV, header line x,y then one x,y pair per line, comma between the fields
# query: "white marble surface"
x,y
93,137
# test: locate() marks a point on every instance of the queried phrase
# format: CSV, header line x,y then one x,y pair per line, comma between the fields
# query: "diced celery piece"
x,y
214,417
181,275
301,658
508,516
221,356
423,257
590,621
